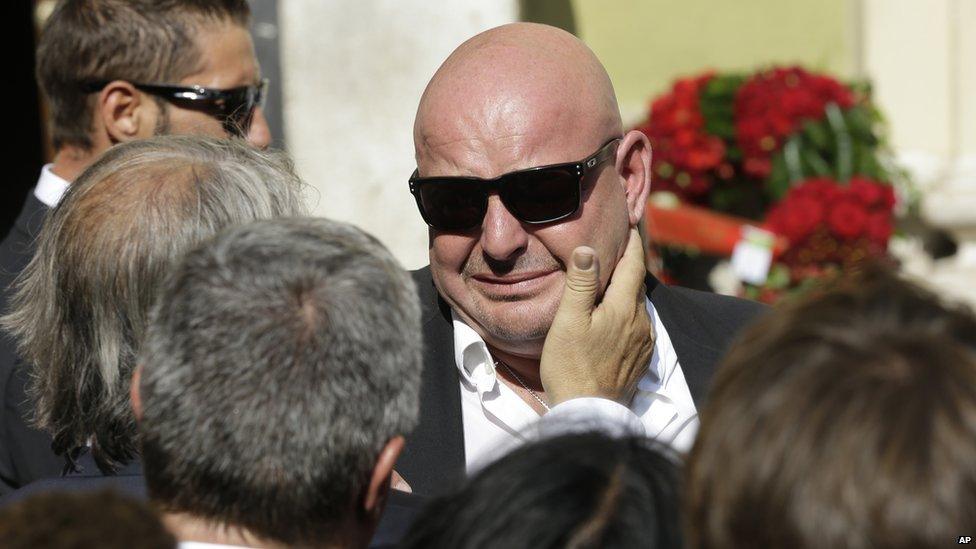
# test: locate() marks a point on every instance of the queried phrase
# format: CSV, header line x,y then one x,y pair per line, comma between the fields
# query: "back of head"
x,y
66,520
583,490
81,306
152,41
847,419
282,359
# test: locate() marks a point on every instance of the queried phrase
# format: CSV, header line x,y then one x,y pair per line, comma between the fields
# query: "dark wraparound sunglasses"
x,y
535,195
233,107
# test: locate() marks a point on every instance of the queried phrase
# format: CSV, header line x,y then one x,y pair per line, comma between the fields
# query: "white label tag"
x,y
753,255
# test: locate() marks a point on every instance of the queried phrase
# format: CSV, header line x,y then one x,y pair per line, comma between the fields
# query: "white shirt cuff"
x,y
590,414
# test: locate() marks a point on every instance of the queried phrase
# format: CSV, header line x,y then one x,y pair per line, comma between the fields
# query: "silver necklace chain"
x,y
522,383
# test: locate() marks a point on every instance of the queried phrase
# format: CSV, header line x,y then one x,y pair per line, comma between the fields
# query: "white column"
x,y
353,74
922,59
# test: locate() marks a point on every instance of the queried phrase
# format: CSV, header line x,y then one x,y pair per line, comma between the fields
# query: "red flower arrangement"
x,y
684,154
828,223
771,105
794,150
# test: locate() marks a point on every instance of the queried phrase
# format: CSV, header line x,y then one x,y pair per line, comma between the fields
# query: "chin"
x,y
517,321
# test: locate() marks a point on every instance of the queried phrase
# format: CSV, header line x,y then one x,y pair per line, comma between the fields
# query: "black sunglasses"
x,y
535,195
233,107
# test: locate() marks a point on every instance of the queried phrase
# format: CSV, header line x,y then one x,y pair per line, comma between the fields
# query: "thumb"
x,y
582,284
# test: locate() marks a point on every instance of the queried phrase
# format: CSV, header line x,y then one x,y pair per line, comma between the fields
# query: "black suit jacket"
x,y
701,326
25,453
399,514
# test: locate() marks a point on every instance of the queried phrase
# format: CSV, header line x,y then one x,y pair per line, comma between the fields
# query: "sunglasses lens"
x,y
451,205
542,195
239,108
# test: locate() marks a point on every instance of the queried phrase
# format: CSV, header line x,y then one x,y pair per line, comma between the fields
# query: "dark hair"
x,y
280,359
573,491
80,308
60,520
845,419
150,41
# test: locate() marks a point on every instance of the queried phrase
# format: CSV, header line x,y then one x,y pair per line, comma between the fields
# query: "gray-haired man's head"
x,y
281,364
82,304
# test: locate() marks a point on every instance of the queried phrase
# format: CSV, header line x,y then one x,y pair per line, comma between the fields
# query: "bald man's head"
x,y
512,80
516,97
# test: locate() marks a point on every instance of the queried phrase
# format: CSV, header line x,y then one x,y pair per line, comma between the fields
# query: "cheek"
x,y
187,122
449,253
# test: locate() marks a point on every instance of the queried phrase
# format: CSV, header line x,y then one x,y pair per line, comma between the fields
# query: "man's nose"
x,y
502,236
259,134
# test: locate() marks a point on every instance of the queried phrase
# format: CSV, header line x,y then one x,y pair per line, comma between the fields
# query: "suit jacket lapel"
x,y
697,354
433,459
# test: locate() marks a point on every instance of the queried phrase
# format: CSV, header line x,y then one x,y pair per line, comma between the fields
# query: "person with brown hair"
x,y
845,419
103,519
114,71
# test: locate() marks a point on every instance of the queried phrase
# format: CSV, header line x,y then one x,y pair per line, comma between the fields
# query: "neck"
x,y
70,161
527,367
187,527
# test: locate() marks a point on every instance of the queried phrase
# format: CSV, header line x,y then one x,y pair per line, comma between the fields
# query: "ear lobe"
x,y
634,167
380,479
122,110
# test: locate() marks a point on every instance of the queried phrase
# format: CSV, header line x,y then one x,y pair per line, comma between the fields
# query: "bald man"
x,y
522,158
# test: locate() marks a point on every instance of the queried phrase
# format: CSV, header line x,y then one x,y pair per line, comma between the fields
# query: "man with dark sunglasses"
x,y
115,71
522,158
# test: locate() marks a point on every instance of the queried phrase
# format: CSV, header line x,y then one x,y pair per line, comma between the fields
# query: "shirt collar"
x,y
471,355
477,367
50,187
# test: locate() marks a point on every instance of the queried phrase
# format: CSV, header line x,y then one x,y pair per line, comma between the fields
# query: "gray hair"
x,y
81,306
284,356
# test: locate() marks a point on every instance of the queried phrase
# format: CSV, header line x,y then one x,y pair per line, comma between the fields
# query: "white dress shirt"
x,y
50,188
495,418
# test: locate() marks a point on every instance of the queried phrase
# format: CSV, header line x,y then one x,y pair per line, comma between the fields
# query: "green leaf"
x,y
778,182
779,277
815,163
843,153
793,159
817,133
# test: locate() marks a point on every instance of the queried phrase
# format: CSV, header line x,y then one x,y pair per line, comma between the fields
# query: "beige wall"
x,y
353,73
645,44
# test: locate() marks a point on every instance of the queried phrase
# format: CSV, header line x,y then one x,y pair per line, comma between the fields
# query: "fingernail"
x,y
583,259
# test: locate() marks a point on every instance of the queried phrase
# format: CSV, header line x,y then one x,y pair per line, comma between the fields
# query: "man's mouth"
x,y
512,285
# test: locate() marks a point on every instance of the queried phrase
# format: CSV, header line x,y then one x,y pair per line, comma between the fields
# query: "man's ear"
x,y
125,113
634,167
379,480
134,397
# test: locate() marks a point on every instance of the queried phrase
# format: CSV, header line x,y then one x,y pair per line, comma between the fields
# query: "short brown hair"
x,y
104,519
136,40
846,419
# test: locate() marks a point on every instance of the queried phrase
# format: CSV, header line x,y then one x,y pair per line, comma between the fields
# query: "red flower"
x,y
879,228
800,217
868,193
773,104
847,218
685,156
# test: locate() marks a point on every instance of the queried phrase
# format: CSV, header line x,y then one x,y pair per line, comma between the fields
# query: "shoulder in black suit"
x,y
401,508
25,453
88,478
701,326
